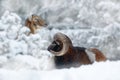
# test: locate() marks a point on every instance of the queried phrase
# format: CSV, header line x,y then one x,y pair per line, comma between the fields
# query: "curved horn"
x,y
63,41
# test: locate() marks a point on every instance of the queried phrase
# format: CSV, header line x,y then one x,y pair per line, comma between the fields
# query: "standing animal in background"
x,y
34,22
66,55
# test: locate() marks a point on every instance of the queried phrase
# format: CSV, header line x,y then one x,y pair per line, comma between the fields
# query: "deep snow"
x,y
88,23
98,71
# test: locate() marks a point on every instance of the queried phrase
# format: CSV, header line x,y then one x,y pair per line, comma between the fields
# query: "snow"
x,y
108,70
88,23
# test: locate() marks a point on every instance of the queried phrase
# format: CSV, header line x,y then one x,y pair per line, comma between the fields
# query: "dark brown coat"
x,y
66,55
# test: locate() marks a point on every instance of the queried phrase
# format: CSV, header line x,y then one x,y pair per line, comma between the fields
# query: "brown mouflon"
x,y
66,55
34,22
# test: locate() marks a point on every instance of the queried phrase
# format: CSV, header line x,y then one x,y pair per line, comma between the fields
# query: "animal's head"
x,y
37,20
34,22
60,45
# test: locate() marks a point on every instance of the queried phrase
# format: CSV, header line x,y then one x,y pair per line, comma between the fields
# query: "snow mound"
x,y
97,71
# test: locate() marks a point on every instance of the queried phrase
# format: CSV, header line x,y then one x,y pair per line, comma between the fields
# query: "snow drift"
x,y
98,71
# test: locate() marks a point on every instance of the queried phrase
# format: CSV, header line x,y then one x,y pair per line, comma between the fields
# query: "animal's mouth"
x,y
55,46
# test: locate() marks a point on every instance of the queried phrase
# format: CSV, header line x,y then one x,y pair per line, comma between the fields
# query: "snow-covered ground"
x,y
97,71
88,23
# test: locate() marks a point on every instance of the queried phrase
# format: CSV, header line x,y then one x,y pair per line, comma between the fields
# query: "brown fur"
x,y
74,56
98,55
34,23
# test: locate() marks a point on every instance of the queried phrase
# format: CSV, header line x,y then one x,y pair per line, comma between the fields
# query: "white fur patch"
x,y
91,55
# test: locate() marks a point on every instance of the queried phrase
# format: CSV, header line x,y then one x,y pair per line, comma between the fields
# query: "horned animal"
x,y
66,55
34,22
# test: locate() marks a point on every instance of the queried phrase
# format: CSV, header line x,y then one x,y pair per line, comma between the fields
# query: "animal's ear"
x,y
34,15
30,18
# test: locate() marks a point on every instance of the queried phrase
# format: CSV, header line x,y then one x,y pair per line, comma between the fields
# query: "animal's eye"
x,y
56,46
36,20
34,24
55,42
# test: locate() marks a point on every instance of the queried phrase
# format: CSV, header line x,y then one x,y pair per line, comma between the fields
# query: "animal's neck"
x,y
65,60
73,58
